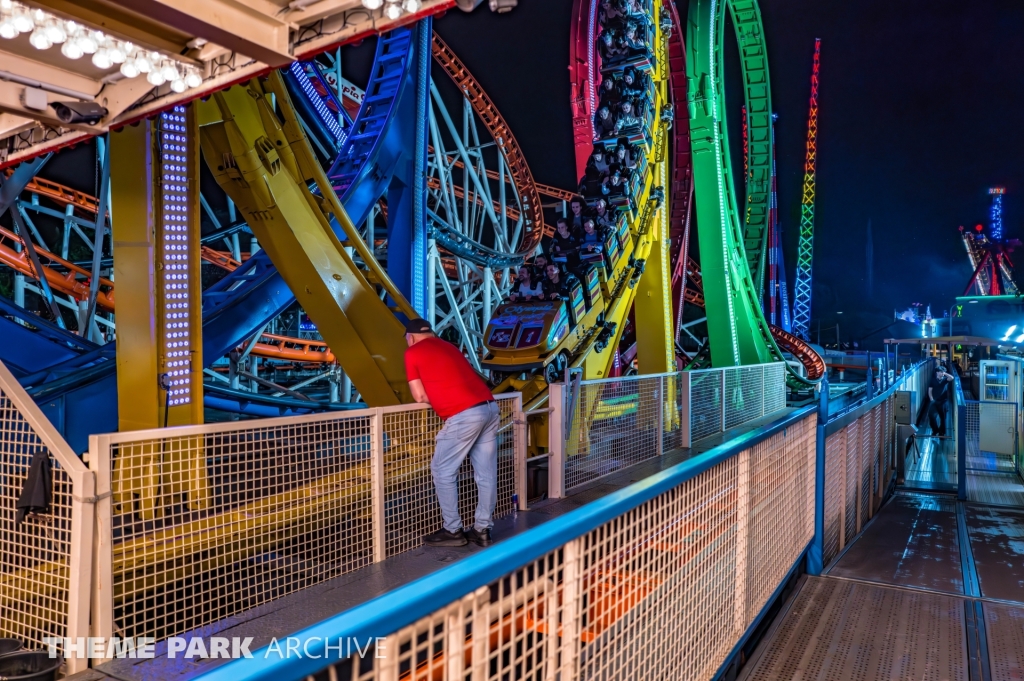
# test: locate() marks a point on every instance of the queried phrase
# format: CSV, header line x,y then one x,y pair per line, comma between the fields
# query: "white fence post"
x,y
102,592
80,559
377,485
521,434
556,441
684,415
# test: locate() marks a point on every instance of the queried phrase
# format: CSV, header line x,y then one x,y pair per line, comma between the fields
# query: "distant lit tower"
x,y
805,252
996,230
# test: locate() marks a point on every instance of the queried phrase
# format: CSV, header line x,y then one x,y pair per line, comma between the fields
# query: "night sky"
x,y
919,109
919,104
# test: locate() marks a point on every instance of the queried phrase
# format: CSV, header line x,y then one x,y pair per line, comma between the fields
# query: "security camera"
x,y
89,113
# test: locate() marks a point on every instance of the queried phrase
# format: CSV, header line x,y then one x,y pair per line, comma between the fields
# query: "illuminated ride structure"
x,y
989,254
805,252
330,196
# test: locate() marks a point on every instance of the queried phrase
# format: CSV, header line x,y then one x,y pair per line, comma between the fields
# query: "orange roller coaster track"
x,y
502,136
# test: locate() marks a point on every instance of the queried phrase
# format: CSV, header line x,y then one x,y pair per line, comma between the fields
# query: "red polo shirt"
x,y
448,377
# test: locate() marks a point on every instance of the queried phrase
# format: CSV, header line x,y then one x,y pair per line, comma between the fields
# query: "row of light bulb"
x,y
394,8
46,30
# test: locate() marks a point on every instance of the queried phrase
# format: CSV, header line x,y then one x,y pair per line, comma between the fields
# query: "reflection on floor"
x,y
932,589
931,462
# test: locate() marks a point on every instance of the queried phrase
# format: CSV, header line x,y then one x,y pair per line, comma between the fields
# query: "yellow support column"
x,y
155,209
655,335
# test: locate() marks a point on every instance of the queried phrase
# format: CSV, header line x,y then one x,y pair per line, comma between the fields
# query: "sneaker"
x,y
479,538
445,538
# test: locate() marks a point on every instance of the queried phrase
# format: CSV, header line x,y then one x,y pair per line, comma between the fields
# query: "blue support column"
x,y
406,194
816,553
418,245
961,448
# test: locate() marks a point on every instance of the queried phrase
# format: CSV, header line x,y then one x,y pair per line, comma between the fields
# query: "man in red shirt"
x,y
440,376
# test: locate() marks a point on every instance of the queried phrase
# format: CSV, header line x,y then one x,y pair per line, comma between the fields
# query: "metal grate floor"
x,y
840,630
1003,489
1005,629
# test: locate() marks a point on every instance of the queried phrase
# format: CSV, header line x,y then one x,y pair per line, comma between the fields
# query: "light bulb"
x,y
6,5
23,20
412,6
101,59
55,31
129,69
7,29
193,79
156,78
142,62
178,85
393,11
40,40
117,52
372,4
71,49
87,41
168,70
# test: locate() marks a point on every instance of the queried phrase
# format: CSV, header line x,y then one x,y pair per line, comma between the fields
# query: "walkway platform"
x,y
295,612
933,589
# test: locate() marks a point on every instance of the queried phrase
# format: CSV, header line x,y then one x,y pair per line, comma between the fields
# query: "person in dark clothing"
x,y
939,390
540,267
565,246
604,122
558,285
610,92
576,215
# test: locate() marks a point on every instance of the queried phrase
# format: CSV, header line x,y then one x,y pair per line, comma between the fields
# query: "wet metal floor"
x,y
933,589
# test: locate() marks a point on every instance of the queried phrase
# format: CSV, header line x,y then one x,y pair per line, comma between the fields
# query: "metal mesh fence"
x,y
615,423
706,391
858,466
45,557
721,399
410,505
662,591
744,395
206,522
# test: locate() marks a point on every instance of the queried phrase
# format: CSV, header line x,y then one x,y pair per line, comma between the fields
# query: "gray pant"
x,y
473,432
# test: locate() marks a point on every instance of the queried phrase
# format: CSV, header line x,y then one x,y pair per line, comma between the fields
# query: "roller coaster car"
x,y
547,335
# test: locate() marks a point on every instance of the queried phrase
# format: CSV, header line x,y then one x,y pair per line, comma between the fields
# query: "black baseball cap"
x,y
418,326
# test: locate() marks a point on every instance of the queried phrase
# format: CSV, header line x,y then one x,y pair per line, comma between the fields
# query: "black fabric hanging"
x,y
35,495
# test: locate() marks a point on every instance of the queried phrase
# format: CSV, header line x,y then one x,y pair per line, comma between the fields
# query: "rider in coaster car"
x,y
592,243
634,84
525,288
611,92
612,13
558,285
624,158
602,217
608,47
629,42
565,245
633,9
538,269
627,117
614,184
576,206
604,123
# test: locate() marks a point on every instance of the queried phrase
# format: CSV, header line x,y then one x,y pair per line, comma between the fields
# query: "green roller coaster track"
x,y
731,247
